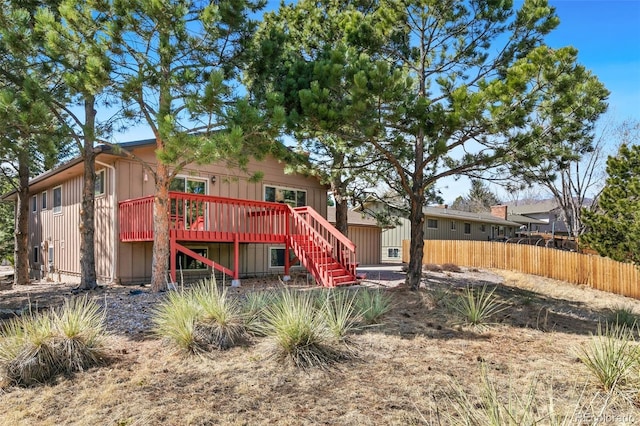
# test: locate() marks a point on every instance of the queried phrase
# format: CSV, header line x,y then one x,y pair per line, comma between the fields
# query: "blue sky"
x,y
607,36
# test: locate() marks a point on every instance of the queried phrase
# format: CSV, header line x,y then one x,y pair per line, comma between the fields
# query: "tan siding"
x,y
392,239
367,241
254,258
61,231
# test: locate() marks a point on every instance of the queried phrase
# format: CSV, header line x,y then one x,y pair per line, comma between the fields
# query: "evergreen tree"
x,y
480,198
613,229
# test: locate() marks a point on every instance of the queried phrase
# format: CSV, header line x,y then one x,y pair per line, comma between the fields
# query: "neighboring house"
x,y
365,234
246,233
543,217
441,223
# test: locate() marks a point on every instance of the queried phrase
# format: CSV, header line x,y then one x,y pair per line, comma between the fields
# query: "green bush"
x,y
36,348
622,316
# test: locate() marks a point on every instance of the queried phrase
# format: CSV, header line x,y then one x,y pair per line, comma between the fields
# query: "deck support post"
x,y
172,258
287,261
236,261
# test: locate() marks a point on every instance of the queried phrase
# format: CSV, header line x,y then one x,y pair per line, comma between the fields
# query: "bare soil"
x,y
412,369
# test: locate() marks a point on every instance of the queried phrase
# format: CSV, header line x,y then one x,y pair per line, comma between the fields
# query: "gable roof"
x,y
353,218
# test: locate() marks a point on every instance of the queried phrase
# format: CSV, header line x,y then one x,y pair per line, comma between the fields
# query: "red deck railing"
x,y
207,218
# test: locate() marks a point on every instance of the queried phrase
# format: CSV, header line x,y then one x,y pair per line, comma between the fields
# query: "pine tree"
x,y
614,227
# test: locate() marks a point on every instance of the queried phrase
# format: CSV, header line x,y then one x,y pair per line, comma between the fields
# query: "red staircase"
x,y
328,255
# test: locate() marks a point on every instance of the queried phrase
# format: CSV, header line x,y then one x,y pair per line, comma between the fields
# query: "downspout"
x,y
114,205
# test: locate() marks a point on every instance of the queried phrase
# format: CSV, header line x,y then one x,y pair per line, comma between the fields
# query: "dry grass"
x,y
408,371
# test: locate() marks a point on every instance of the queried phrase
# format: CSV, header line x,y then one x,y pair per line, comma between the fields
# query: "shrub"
x,y
200,319
610,355
431,267
298,333
371,305
475,307
450,267
36,348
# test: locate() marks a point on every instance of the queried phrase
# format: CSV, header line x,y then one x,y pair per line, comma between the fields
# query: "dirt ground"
x,y
415,368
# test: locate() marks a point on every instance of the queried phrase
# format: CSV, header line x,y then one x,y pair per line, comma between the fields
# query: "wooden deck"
x,y
327,254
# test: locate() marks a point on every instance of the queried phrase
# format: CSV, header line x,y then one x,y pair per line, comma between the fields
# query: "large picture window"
x,y
57,199
188,263
293,197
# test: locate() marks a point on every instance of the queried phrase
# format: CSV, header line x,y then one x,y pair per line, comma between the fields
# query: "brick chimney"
x,y
499,211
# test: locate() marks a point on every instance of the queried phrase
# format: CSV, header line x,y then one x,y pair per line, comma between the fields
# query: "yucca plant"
x,y
340,313
36,348
622,316
610,355
220,321
297,332
371,305
253,308
175,320
476,306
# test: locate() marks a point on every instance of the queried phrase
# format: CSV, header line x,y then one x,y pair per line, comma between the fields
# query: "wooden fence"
x,y
593,271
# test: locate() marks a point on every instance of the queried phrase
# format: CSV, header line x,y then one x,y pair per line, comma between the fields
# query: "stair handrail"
x,y
325,223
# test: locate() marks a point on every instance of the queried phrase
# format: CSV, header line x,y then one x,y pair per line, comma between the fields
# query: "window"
x,y
394,252
57,199
432,223
188,263
293,197
99,184
276,257
43,203
483,228
51,254
34,204
453,225
467,228
35,254
188,185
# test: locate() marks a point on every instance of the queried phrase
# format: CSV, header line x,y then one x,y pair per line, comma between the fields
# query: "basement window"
x,y
393,252
276,257
187,263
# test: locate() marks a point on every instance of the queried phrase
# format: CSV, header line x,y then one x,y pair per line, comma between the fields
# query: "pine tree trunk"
x,y
161,248
416,246
342,210
21,254
87,212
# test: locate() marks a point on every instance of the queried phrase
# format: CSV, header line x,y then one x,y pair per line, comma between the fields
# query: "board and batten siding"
x,y
134,259
60,231
367,241
392,241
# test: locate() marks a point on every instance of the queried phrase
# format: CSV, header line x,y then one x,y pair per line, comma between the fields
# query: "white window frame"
x,y
465,228
51,258
432,227
43,200
100,174
454,225
284,188
193,248
34,204
393,252
57,209
195,179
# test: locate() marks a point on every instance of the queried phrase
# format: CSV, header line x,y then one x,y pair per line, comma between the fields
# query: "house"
x,y
441,223
220,221
365,234
542,217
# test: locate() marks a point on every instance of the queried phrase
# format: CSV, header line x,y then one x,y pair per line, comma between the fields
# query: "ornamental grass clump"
x,y
298,333
253,309
340,314
475,307
38,347
610,355
372,305
200,319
